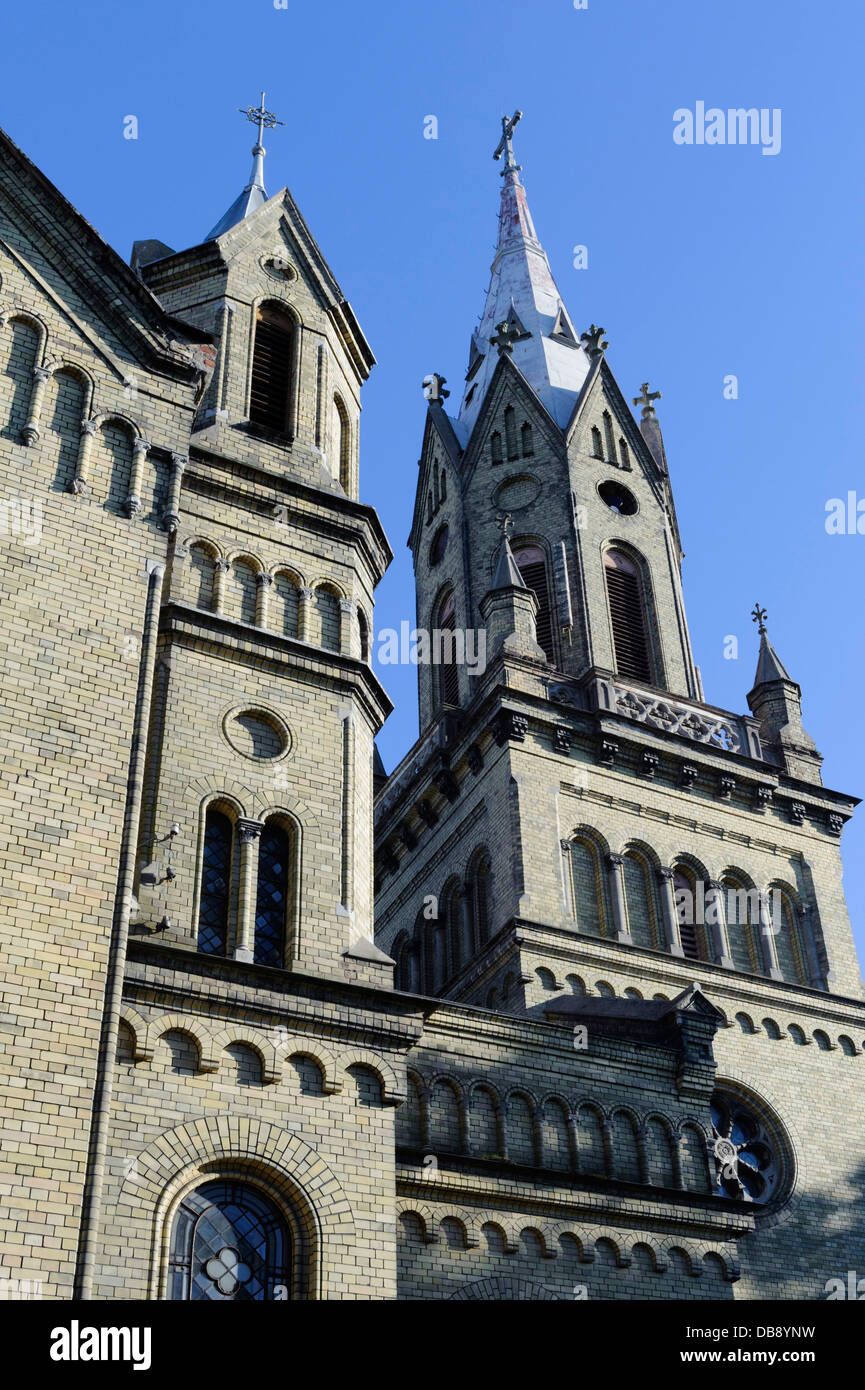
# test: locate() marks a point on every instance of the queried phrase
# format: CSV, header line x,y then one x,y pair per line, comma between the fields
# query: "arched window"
x,y
272,356
229,1243
510,432
342,444
202,570
496,447
363,634
272,897
692,933
480,887
526,440
532,565
788,944
215,884
597,446
641,901
448,675
743,922
628,617
608,435
285,604
587,888
460,949
241,594
624,453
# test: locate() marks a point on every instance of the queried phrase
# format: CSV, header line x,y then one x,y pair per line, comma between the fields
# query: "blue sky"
x,y
703,261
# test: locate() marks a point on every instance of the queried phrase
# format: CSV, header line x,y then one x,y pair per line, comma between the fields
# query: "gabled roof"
x,y
79,256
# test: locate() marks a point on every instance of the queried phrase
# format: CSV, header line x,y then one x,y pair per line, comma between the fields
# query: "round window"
x,y
618,498
256,733
748,1157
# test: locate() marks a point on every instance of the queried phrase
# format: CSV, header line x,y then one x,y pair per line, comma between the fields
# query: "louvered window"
x,y
215,885
448,674
532,565
627,612
271,370
685,912
272,898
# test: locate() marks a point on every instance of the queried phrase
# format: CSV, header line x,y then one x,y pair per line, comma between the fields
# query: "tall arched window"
x,y
597,446
342,443
496,447
532,565
743,924
229,1243
459,951
272,356
692,932
788,944
640,900
608,435
480,889
511,432
202,572
272,897
448,675
628,617
587,888
215,884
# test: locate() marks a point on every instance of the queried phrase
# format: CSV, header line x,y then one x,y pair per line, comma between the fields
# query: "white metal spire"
x,y
524,315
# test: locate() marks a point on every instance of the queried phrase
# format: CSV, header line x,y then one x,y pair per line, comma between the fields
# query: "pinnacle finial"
x,y
647,399
434,387
265,120
505,333
759,616
505,146
591,340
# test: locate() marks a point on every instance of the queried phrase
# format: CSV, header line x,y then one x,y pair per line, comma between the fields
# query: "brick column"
x,y
668,907
171,517
720,932
85,448
249,831
304,599
616,872
346,615
139,454
31,432
263,584
220,575
767,941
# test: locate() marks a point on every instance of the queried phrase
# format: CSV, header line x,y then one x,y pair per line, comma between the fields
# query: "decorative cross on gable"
x,y
592,341
646,399
504,337
759,616
434,387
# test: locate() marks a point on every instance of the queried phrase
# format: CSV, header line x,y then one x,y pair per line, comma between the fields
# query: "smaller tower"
x,y
776,701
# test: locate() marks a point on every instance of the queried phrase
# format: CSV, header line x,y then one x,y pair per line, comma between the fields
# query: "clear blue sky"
x,y
703,261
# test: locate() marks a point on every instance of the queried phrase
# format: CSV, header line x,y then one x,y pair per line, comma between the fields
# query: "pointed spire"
x,y
524,314
769,664
507,575
254,194
776,702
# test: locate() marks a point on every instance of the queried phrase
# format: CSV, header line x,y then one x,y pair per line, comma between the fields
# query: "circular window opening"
x,y
255,733
438,546
618,499
747,1153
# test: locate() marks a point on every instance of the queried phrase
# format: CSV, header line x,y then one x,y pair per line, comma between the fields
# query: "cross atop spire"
x,y
254,194
758,614
505,146
647,400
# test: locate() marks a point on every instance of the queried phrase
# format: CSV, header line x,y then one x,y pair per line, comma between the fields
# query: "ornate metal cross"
x,y
505,145
646,399
504,337
759,616
260,116
592,341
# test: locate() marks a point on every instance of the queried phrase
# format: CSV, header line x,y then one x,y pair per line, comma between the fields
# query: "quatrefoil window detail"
x,y
227,1270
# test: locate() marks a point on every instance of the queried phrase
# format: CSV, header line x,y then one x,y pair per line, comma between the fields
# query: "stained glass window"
x,y
229,1243
215,885
272,898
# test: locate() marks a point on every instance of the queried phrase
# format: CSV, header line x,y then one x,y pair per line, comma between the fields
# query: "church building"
x,y
565,1007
